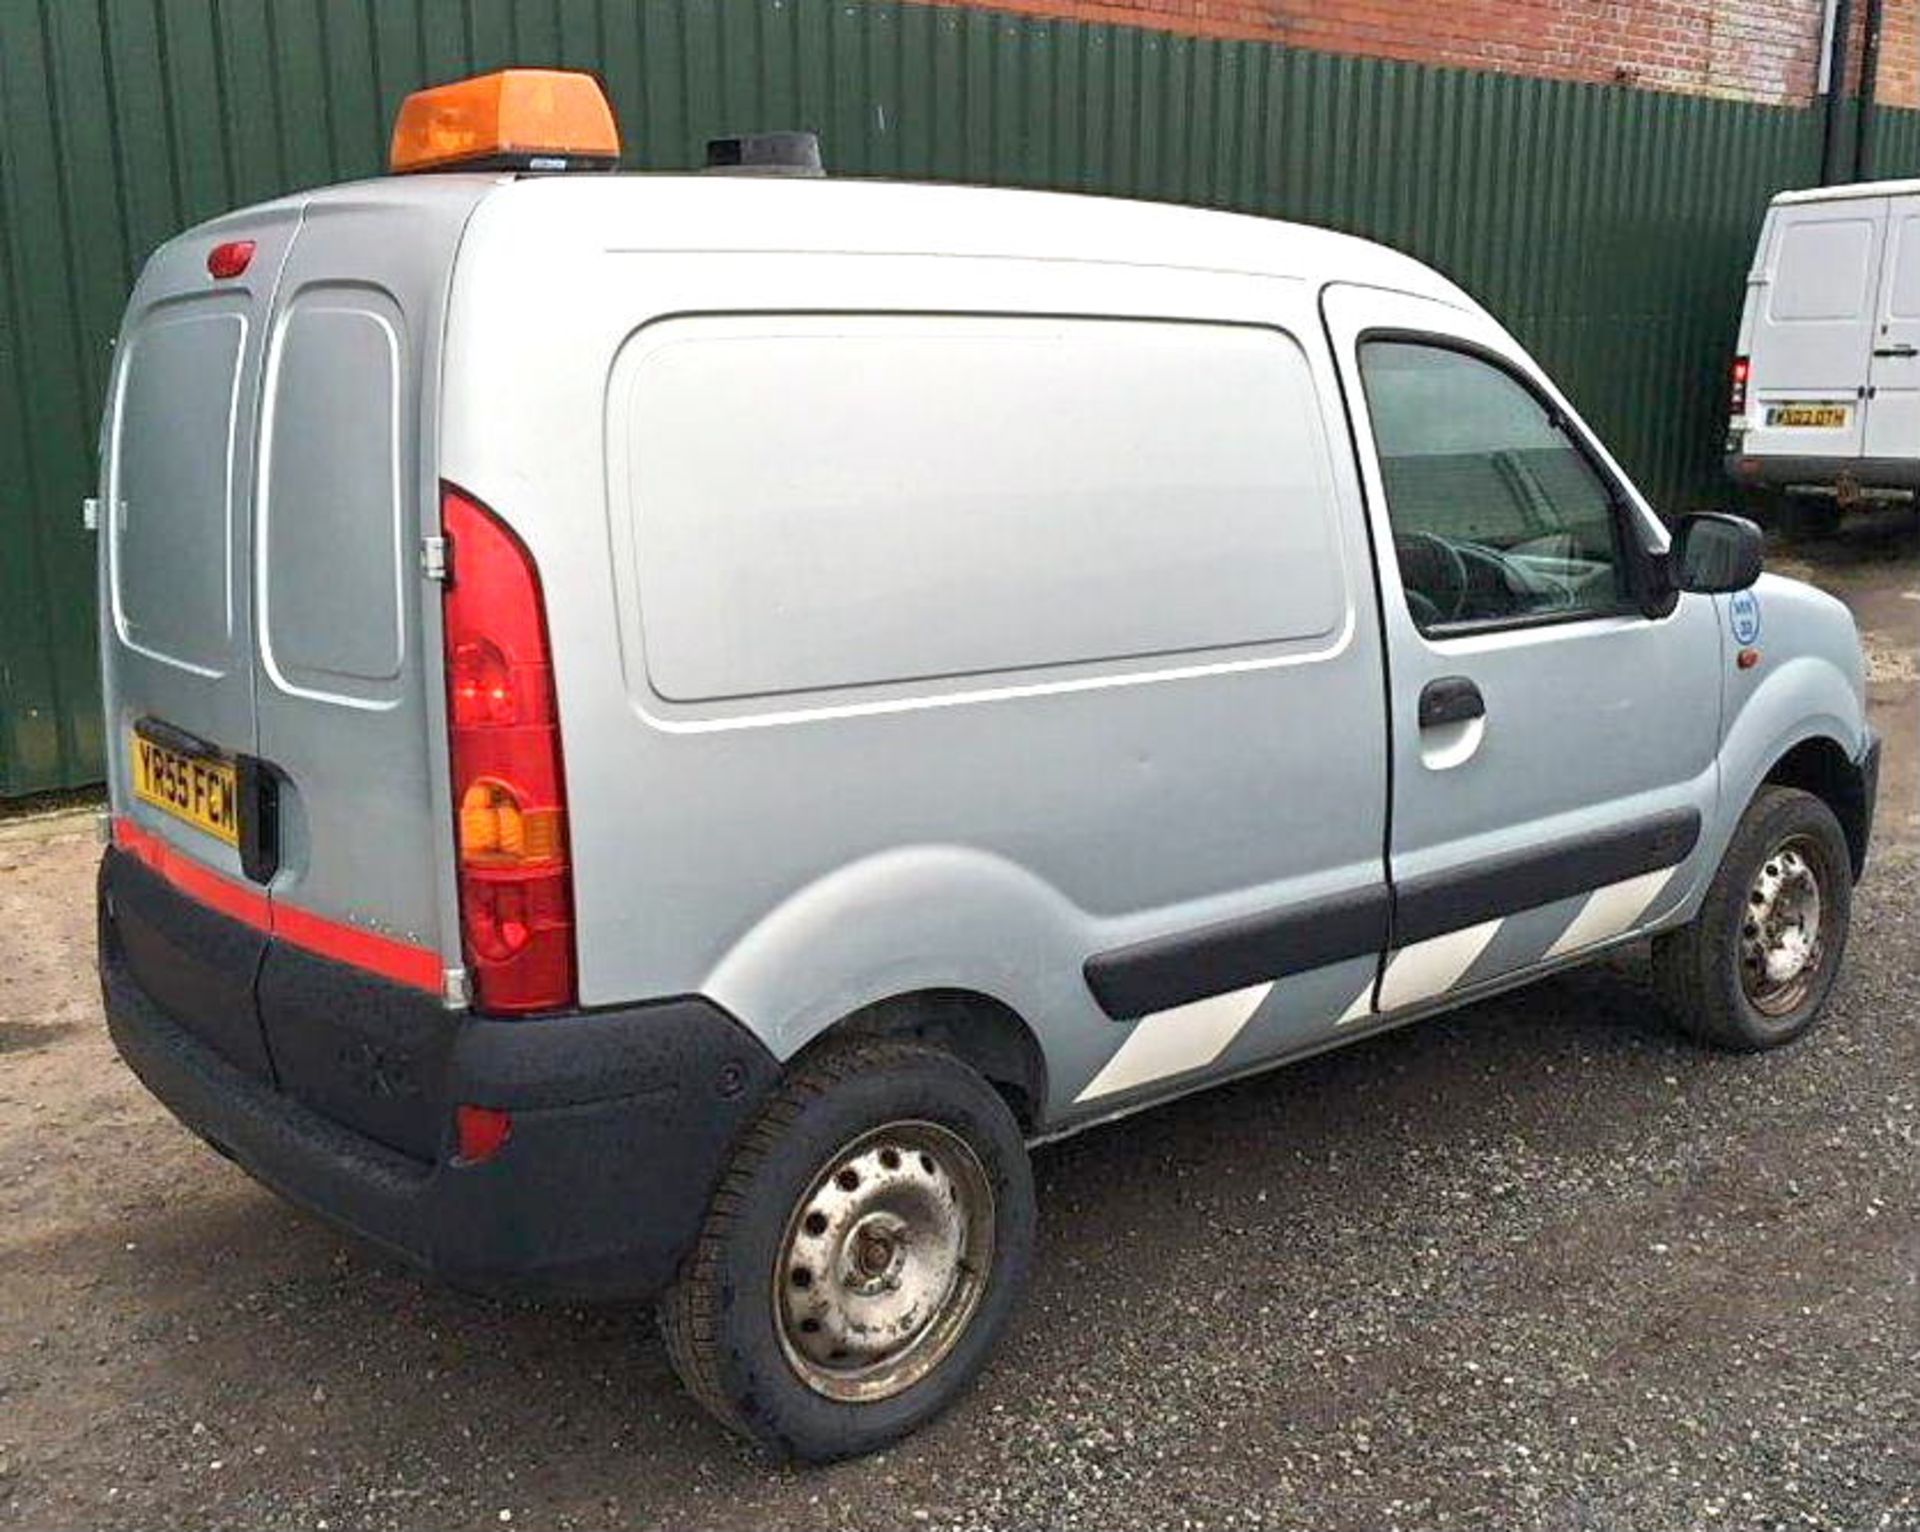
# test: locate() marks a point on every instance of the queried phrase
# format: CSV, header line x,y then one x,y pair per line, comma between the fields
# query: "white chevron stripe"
x,y
1610,911
1171,1042
1194,1035
1361,1008
1432,967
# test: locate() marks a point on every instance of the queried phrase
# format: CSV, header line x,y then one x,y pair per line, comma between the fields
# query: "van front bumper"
x,y
622,1120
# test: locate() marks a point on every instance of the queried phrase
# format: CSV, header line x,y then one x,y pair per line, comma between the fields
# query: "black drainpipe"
x,y
1869,77
1830,136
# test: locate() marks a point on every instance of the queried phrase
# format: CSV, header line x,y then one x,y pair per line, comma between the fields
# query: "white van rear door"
x,y
1815,328
1893,385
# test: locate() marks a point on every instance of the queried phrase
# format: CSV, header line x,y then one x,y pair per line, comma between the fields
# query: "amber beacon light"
x,y
515,119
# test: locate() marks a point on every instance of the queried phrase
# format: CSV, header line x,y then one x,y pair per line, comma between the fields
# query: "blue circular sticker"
x,y
1743,611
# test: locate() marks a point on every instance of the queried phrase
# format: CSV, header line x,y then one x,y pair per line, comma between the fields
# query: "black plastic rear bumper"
x,y
622,1119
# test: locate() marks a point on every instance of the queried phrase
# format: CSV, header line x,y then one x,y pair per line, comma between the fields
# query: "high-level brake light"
x,y
230,259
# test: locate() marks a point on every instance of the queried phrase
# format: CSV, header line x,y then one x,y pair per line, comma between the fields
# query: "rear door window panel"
x,y
173,518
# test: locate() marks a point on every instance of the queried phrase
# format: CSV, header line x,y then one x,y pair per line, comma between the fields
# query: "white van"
x,y
1826,380
665,728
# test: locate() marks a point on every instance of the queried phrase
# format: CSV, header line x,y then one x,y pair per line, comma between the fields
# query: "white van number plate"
x,y
1818,417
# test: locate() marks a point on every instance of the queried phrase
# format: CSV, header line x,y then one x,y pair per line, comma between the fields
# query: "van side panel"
x,y
805,567
797,833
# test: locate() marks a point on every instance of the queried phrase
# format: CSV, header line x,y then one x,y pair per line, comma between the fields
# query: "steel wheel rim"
x,y
1782,942
884,1262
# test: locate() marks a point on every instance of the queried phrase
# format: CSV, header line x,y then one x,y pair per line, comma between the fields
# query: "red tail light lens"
x,y
1742,370
516,895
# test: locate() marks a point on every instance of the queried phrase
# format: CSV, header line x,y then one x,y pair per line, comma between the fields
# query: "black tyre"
x,y
861,1255
1804,518
1755,967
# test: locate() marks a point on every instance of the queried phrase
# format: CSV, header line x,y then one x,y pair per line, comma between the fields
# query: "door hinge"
x,y
433,558
456,990
90,513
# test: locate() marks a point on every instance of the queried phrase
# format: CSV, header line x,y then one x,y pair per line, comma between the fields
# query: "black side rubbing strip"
x,y
1165,971
1443,902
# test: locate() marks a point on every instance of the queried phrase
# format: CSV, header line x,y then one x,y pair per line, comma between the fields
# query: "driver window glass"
x,y
1497,516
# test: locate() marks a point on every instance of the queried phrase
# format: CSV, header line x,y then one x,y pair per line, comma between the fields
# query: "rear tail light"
x,y
509,794
1737,400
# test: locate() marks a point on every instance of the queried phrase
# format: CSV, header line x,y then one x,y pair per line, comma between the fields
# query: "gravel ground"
x,y
1538,1264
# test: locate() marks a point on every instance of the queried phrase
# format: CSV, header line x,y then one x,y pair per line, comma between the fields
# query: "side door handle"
x,y
1898,348
1450,699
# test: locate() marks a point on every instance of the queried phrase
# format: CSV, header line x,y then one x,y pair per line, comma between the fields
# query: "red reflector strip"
x,y
197,882
400,961
397,960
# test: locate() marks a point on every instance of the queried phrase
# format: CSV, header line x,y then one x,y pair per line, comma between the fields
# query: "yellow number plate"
x,y
199,789
1821,417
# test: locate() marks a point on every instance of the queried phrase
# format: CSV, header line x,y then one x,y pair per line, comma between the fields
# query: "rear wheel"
x,y
861,1255
1755,967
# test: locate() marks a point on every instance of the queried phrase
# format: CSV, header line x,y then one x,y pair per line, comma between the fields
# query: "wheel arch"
x,y
1821,766
984,1033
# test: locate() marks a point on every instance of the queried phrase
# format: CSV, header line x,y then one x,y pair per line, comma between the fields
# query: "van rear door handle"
x,y
1450,699
1899,348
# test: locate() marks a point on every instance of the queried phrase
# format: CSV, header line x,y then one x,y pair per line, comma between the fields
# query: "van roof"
x,y
650,211
1849,189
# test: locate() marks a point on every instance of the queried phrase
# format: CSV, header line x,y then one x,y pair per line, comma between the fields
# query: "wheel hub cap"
x,y
1780,930
884,1261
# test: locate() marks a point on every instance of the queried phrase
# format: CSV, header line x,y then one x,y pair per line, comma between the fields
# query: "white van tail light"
x,y
509,793
1737,397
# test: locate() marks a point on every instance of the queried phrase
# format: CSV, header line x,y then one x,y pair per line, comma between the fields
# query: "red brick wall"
x,y
1759,50
1900,54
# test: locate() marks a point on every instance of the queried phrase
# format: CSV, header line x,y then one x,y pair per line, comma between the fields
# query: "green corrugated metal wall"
x,y
1896,144
1608,227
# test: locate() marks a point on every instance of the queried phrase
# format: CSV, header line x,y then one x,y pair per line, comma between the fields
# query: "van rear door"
x,y
177,487
269,471
1893,392
1813,333
346,491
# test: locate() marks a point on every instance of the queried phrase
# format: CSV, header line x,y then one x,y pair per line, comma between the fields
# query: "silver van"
x,y
665,728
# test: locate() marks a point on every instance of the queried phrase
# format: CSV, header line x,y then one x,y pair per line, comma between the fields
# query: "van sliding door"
x,y
1893,381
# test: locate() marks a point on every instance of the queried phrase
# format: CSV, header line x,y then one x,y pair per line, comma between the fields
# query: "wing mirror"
x,y
1714,553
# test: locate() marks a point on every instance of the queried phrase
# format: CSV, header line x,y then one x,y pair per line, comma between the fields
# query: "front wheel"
x,y
861,1255
1755,967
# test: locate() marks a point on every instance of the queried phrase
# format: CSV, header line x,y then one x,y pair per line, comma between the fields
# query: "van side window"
x,y
1499,517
